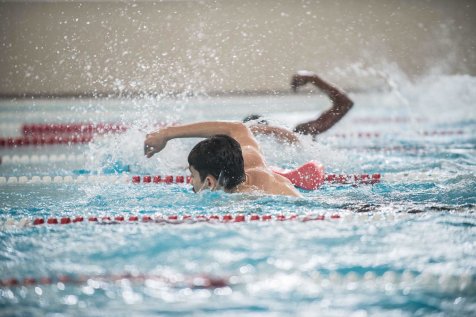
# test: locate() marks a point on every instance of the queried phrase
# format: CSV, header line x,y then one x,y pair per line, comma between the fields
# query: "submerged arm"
x,y
341,104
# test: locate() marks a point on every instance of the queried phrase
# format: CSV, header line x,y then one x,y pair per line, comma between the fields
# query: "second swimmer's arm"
x,y
341,104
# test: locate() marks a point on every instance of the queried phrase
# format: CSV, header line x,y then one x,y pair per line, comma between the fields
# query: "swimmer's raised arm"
x,y
156,141
341,103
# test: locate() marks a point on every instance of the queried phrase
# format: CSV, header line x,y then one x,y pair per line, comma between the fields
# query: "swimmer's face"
x,y
197,183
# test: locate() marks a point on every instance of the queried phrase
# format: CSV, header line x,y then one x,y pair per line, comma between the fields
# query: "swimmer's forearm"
x,y
156,141
236,130
333,92
201,130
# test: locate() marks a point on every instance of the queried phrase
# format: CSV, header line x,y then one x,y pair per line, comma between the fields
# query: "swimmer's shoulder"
x,y
264,179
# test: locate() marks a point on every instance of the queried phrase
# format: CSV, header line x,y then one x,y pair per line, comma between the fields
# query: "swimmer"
x,y
229,159
341,104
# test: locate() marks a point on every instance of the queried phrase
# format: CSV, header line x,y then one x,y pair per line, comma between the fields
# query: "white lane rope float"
x,y
40,159
455,283
53,158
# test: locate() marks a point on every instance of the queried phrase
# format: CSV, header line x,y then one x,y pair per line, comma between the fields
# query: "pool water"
x,y
402,247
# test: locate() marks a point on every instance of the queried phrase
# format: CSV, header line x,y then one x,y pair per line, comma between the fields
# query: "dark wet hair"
x,y
221,157
255,117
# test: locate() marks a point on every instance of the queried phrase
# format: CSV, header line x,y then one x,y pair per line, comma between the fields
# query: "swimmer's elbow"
x,y
241,133
239,128
345,103
350,103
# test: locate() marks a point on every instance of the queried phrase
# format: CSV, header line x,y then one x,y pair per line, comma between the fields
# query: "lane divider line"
x,y
81,128
460,283
378,134
52,139
397,148
66,128
175,219
76,128
199,281
344,179
45,140
34,159
386,120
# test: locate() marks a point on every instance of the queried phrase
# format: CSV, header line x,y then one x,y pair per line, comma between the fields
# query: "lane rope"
x,y
175,219
386,120
80,138
343,179
70,128
44,140
77,129
35,159
172,219
329,179
369,135
396,148
199,281
463,282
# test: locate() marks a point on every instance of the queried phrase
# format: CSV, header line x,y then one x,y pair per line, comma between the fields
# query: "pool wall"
x,y
103,48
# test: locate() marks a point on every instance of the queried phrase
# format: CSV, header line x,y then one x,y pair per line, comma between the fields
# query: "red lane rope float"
x,y
307,184
181,219
87,128
45,140
389,119
169,179
201,281
353,180
78,128
378,134
442,133
309,176
357,135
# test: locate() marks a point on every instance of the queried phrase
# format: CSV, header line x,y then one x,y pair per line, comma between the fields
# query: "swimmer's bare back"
x,y
259,177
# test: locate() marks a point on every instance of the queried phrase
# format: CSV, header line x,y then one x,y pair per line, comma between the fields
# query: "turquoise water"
x,y
403,247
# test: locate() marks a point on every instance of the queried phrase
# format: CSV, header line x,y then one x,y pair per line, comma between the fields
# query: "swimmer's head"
x,y
216,162
255,117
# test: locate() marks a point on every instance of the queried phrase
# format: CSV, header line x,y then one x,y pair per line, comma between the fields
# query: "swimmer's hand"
x,y
301,78
154,143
